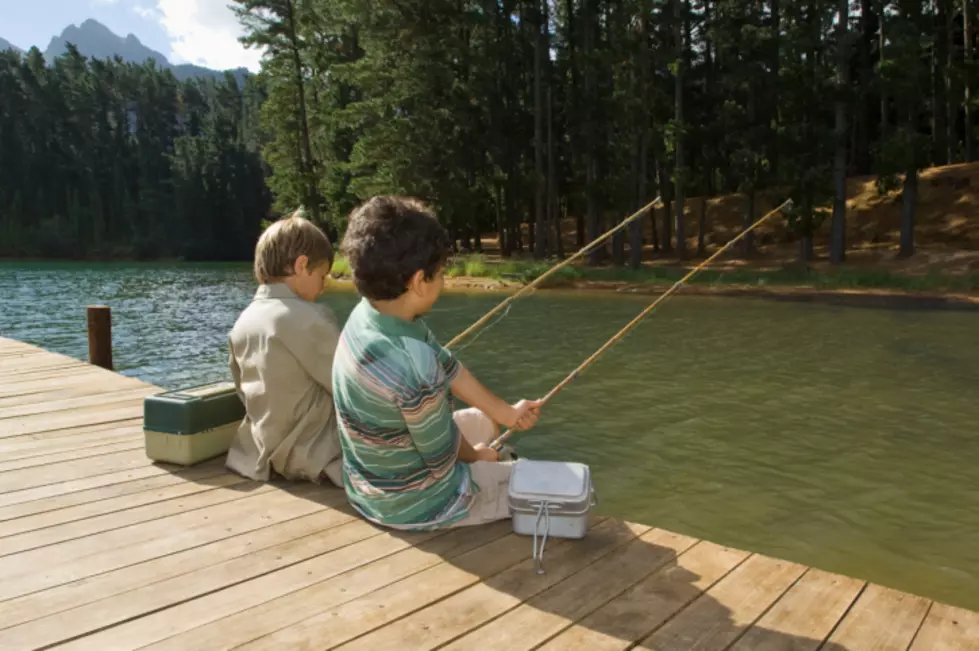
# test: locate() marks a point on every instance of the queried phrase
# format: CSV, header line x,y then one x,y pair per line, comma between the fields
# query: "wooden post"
x,y
100,336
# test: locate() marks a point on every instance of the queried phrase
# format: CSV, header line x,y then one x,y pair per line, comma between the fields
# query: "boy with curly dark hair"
x,y
410,461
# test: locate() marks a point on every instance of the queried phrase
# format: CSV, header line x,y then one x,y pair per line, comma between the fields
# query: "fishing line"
x,y
632,324
484,330
533,285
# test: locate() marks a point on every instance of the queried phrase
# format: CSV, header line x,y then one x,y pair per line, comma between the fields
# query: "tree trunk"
x,y
837,246
552,208
643,127
639,154
591,164
776,82
806,251
939,113
540,188
618,249
474,225
967,55
951,106
666,187
702,227
908,210
306,164
681,170
573,113
500,224
881,4
748,242
862,136
635,228
512,223
711,97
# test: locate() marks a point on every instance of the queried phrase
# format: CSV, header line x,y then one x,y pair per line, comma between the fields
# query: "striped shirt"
x,y
391,389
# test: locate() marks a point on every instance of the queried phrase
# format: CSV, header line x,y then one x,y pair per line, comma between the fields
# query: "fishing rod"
x,y
498,442
530,287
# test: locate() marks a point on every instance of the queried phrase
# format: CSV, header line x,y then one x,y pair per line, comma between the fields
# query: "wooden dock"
x,y
102,549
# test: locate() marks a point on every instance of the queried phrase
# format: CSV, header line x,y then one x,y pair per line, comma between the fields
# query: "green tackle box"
x,y
191,425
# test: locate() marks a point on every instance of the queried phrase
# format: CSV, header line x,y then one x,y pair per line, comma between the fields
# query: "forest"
x,y
510,117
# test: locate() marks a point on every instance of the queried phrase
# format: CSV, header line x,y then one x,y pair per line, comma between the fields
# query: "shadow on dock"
x,y
624,586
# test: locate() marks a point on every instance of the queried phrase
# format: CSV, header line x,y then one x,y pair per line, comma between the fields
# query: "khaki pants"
x,y
492,478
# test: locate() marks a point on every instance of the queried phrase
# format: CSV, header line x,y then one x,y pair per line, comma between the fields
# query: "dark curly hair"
x,y
388,240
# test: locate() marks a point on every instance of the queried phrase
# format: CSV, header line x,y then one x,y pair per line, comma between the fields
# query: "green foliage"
x,y
102,158
438,99
526,271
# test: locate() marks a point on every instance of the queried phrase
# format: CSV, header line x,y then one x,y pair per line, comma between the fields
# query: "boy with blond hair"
x,y
410,460
281,359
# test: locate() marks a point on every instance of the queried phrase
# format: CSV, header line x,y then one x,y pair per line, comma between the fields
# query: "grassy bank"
x,y
518,272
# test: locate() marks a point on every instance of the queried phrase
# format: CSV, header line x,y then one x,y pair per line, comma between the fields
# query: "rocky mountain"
x,y
7,45
93,39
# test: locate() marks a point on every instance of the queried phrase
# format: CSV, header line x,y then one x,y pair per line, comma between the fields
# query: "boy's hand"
x,y
526,413
486,453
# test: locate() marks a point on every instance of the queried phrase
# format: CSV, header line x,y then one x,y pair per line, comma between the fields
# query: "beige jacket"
x,y
281,358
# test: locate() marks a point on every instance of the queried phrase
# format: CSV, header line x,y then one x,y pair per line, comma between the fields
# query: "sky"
x,y
204,32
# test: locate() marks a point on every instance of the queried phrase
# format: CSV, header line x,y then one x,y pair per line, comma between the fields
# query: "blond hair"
x,y
281,244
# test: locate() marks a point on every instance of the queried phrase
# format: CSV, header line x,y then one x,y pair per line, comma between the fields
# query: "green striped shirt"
x,y
391,389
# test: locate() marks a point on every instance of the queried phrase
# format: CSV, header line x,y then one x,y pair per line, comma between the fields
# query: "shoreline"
x,y
776,285
852,297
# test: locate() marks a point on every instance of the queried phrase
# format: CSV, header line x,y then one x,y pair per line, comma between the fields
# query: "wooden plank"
x,y
26,350
805,616
55,473
98,399
5,355
16,364
70,386
453,616
258,523
30,449
719,616
881,620
109,413
15,443
85,503
84,484
127,444
13,348
50,369
947,628
10,381
336,565
16,347
555,609
62,562
335,529
498,548
641,610
216,490
85,519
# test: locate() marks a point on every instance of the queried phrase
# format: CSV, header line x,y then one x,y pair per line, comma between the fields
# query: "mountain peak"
x,y
92,25
7,45
93,39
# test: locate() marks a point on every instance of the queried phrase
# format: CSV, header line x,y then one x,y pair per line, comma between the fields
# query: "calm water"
x,y
836,437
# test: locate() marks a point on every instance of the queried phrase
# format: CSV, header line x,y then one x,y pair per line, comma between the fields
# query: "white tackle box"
x,y
550,498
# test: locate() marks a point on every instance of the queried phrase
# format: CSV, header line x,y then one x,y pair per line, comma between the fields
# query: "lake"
x,y
842,438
